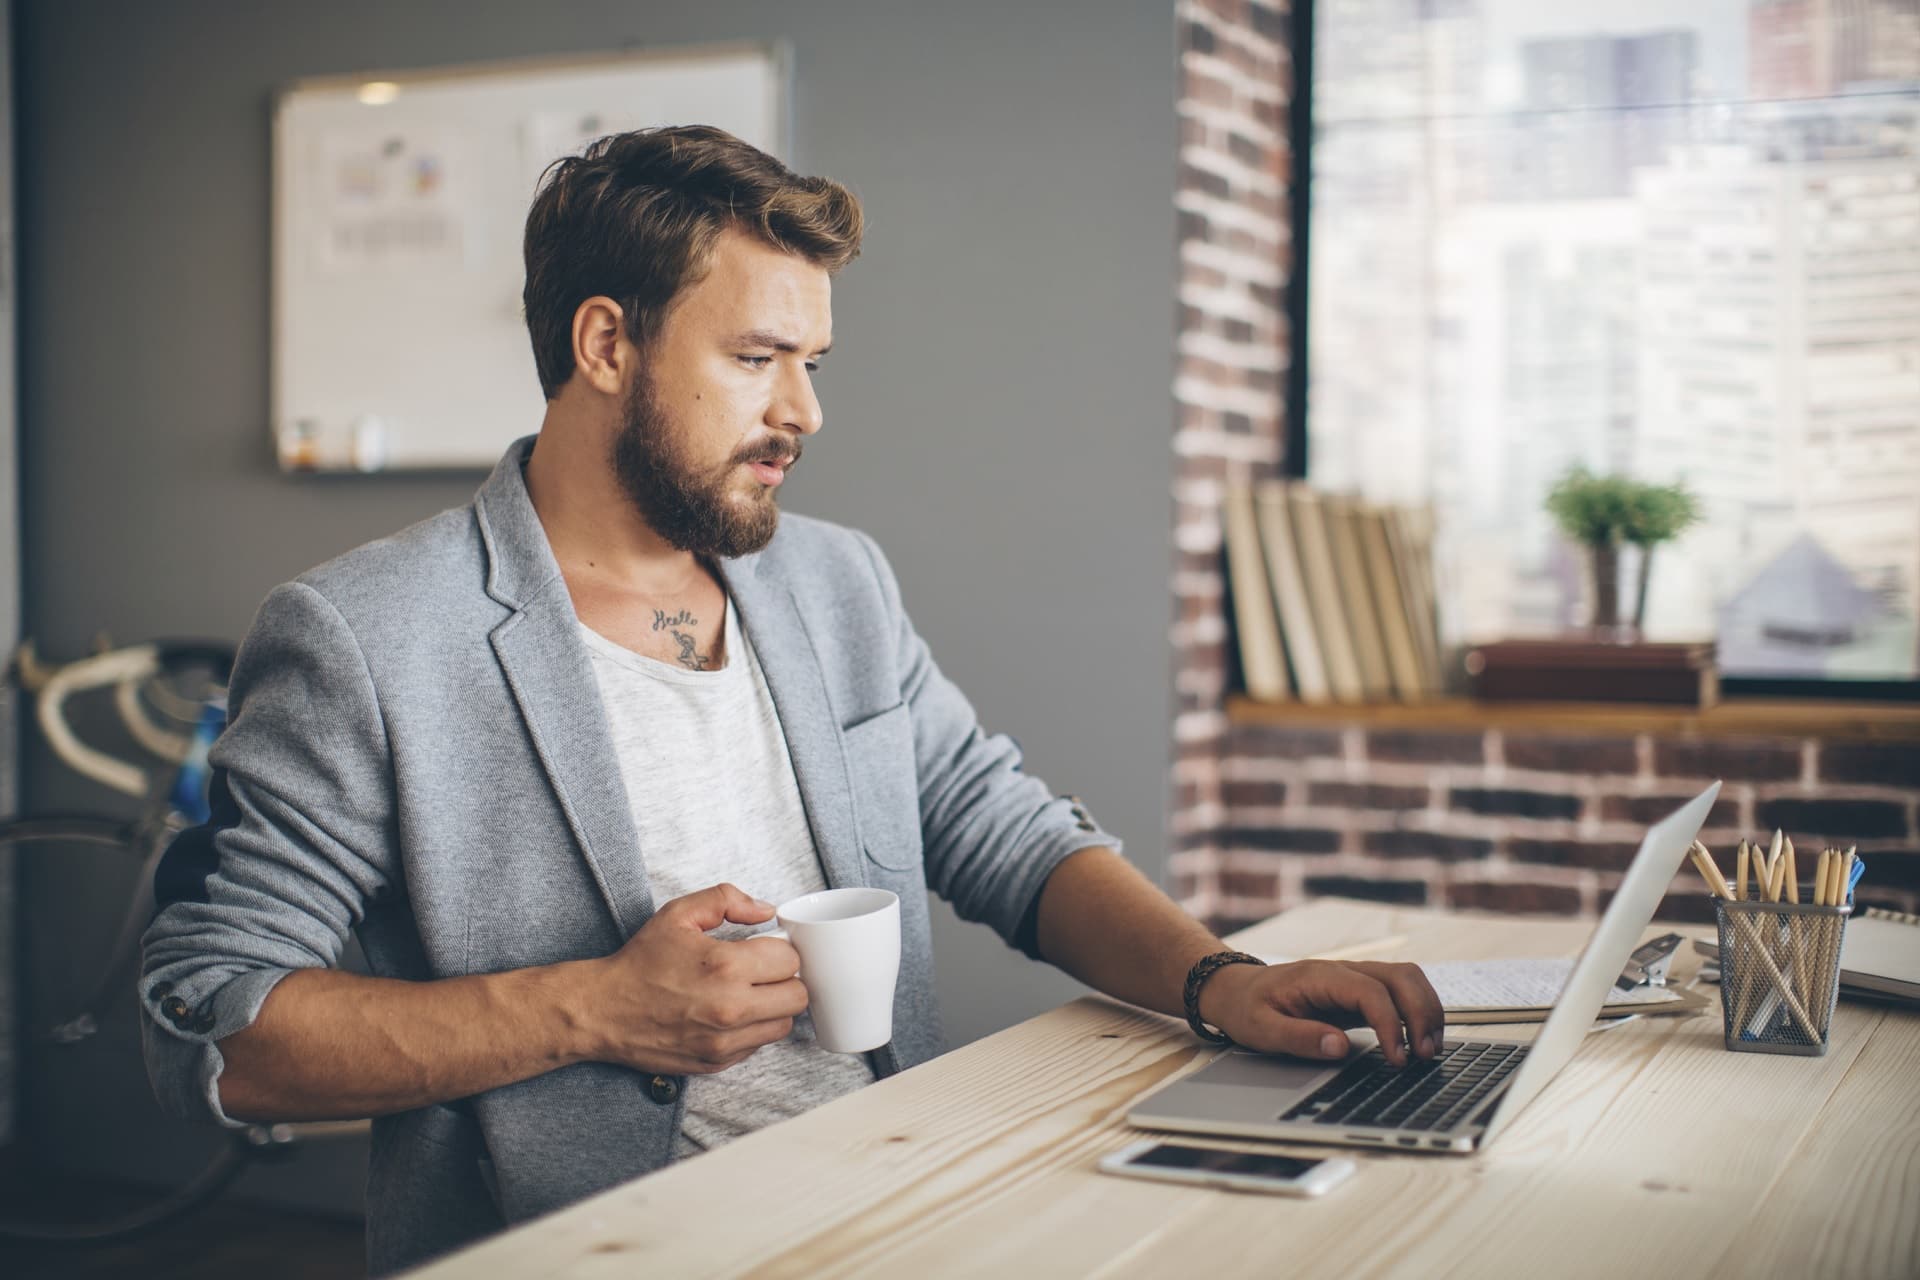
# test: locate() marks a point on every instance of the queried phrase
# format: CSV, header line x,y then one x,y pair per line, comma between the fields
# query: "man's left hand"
x,y
1302,1008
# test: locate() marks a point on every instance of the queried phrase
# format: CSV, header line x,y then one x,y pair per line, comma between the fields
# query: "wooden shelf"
x,y
1868,721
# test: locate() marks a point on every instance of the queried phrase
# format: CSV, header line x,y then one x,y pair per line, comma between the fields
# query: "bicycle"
x,y
171,698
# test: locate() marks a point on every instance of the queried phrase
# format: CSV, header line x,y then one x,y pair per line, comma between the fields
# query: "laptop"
x,y
1462,1098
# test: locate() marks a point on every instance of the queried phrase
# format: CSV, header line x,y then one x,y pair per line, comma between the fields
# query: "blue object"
x,y
190,784
1853,878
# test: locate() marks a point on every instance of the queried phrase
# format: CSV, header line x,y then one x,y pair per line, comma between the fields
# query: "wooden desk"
x,y
1655,1153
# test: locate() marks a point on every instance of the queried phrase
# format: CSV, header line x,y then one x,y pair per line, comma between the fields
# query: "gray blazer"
x,y
418,754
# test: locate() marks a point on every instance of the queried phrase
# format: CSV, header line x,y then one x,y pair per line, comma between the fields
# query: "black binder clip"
x,y
1648,965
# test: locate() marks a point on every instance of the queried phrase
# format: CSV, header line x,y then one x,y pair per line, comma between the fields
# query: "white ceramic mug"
x,y
849,945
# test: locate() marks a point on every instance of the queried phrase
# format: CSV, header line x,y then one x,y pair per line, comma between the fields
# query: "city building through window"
x,y
1676,241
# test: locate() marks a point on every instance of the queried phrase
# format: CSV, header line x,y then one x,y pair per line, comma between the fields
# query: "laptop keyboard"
x,y
1432,1094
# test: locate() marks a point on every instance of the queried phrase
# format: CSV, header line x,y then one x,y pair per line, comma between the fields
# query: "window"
x,y
1678,241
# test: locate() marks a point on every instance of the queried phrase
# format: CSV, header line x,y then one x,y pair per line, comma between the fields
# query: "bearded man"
x,y
554,754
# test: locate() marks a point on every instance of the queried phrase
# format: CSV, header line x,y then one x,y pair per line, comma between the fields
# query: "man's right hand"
x,y
332,1045
676,1001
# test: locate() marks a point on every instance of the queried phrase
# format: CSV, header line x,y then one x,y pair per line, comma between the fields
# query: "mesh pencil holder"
x,y
1779,974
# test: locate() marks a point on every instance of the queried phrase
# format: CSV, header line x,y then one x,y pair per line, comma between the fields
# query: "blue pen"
x,y
1853,877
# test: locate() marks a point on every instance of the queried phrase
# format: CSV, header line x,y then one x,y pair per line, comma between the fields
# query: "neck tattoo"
x,y
690,656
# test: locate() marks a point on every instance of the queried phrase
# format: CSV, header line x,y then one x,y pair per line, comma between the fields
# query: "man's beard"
x,y
693,510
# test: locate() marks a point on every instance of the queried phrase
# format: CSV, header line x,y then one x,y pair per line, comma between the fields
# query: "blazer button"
x,y
203,1023
663,1089
159,991
1084,820
175,1008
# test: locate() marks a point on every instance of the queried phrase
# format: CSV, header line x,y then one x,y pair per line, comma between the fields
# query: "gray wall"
x,y
998,399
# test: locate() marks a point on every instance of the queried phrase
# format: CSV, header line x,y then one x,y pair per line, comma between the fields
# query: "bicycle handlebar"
x,y
124,668
136,663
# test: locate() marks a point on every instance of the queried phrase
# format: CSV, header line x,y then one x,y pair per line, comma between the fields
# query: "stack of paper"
x,y
1524,990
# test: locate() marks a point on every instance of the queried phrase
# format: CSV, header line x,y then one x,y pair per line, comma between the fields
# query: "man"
x,y
553,755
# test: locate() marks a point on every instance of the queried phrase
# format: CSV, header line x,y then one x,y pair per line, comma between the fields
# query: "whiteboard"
x,y
399,204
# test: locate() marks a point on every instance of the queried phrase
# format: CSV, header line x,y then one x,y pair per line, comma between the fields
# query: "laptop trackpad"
x,y
1235,1089
1267,1073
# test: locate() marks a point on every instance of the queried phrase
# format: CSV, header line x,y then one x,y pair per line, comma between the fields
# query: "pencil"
x,y
1801,936
1782,937
1836,891
1740,873
1703,863
1820,878
1781,983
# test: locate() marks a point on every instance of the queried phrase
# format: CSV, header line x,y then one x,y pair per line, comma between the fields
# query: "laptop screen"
x,y
1625,919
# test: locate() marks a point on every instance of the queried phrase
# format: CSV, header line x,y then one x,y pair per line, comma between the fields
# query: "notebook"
x,y
1524,990
1882,953
1880,957
1483,992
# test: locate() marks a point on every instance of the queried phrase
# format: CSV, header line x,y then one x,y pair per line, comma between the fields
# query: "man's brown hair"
x,y
635,217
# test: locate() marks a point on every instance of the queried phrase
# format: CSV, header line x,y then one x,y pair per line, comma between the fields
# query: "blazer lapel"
x,y
547,667
791,665
552,679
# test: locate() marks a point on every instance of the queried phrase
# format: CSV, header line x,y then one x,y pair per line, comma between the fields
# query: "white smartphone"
x,y
1264,1171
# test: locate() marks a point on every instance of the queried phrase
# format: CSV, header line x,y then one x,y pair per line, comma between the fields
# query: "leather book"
x,y
1582,670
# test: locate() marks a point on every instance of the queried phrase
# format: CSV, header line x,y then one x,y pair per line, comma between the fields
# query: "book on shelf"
x,y
1323,591
1390,603
1410,541
1298,639
1255,623
1332,598
1356,596
1576,668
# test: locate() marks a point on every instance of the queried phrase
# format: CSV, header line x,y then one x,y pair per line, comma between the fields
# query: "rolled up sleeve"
x,y
298,842
991,832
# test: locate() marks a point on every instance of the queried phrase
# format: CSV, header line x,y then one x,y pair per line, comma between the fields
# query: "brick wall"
x,y
1512,821
1265,816
1234,261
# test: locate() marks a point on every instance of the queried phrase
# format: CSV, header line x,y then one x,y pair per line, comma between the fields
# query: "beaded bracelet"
x,y
1203,968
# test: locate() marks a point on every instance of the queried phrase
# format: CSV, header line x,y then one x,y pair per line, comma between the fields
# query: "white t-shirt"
x,y
707,772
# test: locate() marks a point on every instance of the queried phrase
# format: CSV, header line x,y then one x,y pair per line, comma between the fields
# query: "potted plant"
x,y
1593,511
1602,512
1657,513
